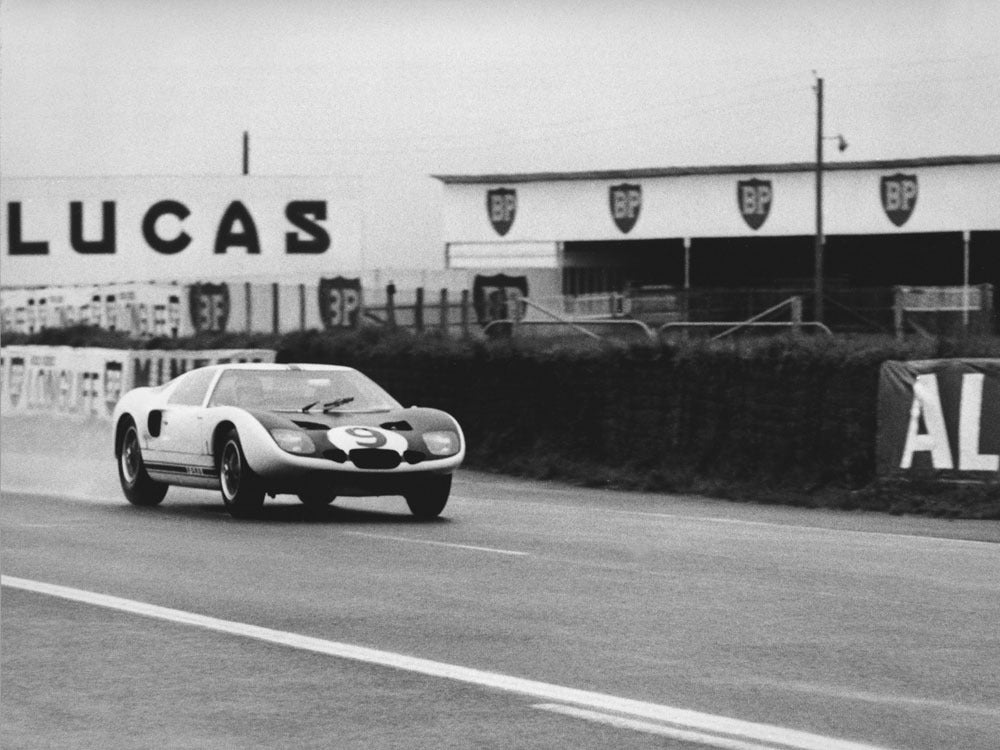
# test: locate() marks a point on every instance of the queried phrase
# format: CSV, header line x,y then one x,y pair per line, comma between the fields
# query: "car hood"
x,y
410,423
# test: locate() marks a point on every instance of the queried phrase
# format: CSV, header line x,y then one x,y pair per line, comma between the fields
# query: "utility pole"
x,y
246,152
820,240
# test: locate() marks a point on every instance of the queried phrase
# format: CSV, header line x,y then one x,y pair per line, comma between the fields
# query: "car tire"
x,y
428,495
139,489
316,498
242,491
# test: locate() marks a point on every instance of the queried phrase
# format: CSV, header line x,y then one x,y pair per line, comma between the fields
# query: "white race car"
x,y
315,431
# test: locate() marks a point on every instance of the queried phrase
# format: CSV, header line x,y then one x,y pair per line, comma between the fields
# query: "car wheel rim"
x,y
130,457
231,470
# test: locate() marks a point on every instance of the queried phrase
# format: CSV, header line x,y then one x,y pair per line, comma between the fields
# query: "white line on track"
x,y
437,544
664,730
679,718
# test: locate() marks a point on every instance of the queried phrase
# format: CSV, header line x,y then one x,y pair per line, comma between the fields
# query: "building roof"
x,y
636,174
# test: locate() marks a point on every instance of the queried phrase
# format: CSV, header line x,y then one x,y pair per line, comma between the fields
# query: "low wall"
x,y
87,382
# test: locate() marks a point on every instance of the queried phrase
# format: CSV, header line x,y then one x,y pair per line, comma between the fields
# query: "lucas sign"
x,y
99,230
940,418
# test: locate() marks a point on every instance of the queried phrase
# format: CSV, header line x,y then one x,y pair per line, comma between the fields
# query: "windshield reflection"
x,y
301,391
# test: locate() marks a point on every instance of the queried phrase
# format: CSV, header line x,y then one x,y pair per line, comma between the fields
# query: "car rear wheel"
x,y
428,495
316,498
242,491
139,489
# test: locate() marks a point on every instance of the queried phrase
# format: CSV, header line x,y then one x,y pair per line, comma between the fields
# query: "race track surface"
x,y
529,615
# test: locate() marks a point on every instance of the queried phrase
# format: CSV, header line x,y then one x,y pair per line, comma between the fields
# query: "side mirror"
x,y
155,422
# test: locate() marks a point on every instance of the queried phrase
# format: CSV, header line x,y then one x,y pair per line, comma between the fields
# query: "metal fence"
x,y
173,311
154,310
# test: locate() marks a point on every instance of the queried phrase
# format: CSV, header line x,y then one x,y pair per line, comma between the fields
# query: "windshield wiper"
x,y
309,406
330,405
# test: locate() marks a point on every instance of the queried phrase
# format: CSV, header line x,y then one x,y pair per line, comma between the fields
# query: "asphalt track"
x,y
531,615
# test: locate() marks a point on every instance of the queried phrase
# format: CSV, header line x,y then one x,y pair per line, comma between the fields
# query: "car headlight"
x,y
442,443
293,441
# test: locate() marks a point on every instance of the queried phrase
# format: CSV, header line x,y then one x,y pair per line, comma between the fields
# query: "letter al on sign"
x,y
927,408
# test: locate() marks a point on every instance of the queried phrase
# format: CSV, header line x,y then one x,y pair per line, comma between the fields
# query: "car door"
x,y
182,441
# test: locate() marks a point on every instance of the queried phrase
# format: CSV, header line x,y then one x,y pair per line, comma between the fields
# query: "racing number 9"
x,y
366,437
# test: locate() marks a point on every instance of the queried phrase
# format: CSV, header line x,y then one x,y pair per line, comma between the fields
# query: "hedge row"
x,y
777,419
789,420
784,413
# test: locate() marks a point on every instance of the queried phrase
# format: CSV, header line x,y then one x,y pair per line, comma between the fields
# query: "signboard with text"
x,y
88,381
98,230
939,418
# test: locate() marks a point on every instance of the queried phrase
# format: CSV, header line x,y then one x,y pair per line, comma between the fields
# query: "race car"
x,y
315,431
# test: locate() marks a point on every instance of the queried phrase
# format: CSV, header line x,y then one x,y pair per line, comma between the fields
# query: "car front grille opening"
x,y
375,458
336,455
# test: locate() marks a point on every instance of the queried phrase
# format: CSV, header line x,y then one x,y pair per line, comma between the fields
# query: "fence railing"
x,y
167,310
171,310
793,306
598,306
556,325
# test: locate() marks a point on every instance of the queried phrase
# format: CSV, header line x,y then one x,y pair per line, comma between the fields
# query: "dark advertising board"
x,y
939,419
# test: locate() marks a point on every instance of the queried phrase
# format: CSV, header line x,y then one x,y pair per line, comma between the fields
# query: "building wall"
x,y
962,197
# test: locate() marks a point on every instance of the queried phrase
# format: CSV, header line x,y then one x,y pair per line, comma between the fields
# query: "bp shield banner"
x,y
939,418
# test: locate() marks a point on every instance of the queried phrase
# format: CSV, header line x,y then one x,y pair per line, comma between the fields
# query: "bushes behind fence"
x,y
794,413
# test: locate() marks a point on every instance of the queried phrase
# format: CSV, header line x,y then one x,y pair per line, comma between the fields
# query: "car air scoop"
x,y
310,425
397,426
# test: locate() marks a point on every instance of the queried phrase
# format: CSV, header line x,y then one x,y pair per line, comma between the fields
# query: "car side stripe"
x,y
186,469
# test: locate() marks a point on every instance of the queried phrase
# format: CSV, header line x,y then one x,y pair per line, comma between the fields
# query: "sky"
x,y
389,92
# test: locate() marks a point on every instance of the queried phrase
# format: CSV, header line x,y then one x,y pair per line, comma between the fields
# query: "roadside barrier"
x,y
87,382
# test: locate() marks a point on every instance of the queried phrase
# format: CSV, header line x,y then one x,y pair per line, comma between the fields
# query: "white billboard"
x,y
123,229
754,203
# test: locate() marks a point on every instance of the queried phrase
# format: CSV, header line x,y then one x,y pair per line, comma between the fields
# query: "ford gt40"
x,y
315,431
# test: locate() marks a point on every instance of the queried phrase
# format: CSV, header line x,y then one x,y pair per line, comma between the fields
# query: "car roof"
x,y
290,367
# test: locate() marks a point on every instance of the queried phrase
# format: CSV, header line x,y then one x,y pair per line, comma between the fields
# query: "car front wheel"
x,y
139,489
242,491
428,495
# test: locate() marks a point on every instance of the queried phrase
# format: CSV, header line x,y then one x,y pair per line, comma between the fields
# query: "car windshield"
x,y
301,390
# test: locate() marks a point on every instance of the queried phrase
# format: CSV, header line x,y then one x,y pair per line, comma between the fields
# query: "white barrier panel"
x,y
156,367
142,310
87,382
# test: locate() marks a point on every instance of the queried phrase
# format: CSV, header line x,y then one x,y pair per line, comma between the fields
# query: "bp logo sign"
x,y
209,307
339,302
754,200
501,207
626,202
899,197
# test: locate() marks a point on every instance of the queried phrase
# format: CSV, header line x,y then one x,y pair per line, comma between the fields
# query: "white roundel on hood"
x,y
352,438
